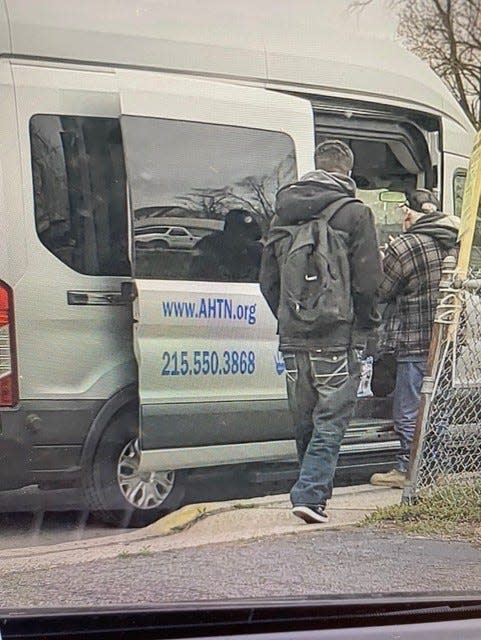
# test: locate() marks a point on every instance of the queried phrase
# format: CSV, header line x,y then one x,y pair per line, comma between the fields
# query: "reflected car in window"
x,y
165,238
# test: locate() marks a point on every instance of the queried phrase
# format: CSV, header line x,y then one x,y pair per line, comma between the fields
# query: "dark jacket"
x,y
230,255
357,223
412,272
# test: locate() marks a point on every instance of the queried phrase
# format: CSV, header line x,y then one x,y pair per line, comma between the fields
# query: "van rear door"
x,y
206,159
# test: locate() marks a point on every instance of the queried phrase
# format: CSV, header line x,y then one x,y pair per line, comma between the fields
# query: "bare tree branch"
x,y
447,35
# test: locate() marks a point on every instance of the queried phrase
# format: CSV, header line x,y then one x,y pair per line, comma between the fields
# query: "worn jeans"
x,y
322,389
407,397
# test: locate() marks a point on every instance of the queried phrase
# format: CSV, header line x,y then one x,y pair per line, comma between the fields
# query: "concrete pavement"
x,y
204,524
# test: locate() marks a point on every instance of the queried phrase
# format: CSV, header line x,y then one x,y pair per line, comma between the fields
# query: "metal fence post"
x,y
446,452
444,318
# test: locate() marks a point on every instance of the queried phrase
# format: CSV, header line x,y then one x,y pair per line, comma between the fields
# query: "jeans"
x,y
322,389
407,396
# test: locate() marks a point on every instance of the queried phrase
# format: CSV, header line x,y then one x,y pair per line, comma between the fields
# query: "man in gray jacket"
x,y
323,361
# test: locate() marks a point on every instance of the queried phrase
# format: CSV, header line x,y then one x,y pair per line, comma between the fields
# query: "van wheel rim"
x,y
142,489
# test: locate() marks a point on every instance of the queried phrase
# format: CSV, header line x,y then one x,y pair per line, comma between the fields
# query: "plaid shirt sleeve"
x,y
393,280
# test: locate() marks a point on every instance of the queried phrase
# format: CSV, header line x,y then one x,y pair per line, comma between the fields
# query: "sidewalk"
x,y
205,524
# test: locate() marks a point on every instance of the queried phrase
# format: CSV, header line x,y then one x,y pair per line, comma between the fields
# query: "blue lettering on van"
x,y
176,309
211,309
231,362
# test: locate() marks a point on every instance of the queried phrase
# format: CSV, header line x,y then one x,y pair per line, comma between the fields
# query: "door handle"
x,y
125,296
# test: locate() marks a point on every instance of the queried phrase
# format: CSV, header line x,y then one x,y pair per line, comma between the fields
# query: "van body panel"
x,y
93,339
150,34
227,347
156,336
192,99
13,241
208,423
5,40
457,138
41,442
279,450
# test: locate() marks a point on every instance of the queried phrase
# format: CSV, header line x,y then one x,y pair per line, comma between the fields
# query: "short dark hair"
x,y
334,156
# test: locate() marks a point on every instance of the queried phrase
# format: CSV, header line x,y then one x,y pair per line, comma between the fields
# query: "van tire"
x,y
101,486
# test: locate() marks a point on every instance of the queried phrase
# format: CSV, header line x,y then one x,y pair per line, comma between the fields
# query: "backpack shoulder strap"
x,y
324,218
329,212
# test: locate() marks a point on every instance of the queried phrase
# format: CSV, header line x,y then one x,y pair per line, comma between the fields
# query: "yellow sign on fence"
x,y
469,213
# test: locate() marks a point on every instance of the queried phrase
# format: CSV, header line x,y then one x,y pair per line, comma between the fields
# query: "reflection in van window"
x,y
459,181
203,196
80,192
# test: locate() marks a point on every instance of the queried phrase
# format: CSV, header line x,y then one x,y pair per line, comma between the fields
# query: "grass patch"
x,y
453,510
145,552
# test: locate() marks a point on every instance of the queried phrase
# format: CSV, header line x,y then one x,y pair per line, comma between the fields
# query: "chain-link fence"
x,y
447,447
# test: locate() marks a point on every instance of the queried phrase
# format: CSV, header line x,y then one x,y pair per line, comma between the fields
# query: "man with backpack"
x,y
319,274
412,267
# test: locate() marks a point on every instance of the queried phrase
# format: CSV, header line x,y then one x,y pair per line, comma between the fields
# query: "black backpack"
x,y
315,286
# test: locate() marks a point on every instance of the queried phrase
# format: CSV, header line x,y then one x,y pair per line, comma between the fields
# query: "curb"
x,y
181,519
160,535
188,515
168,525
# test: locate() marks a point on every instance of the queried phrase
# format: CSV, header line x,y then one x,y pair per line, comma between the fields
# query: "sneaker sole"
x,y
308,516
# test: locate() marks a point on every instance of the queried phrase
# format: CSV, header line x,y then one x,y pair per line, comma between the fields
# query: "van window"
x,y
213,185
80,192
389,154
459,180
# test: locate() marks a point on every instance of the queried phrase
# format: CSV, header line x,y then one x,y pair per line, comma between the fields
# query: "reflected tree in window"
x,y
216,181
255,194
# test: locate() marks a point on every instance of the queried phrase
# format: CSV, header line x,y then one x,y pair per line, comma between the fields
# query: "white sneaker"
x,y
311,515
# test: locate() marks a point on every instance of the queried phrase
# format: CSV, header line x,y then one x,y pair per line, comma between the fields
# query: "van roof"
x,y
284,43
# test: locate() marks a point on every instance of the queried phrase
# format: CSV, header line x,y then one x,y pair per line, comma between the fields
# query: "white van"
x,y
118,116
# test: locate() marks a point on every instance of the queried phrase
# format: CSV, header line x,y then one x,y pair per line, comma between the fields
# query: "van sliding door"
x,y
204,161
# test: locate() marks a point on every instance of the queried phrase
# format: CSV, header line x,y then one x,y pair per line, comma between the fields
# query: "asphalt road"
x,y
29,517
322,562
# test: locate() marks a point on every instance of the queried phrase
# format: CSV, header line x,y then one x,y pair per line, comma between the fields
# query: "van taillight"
x,y
8,356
